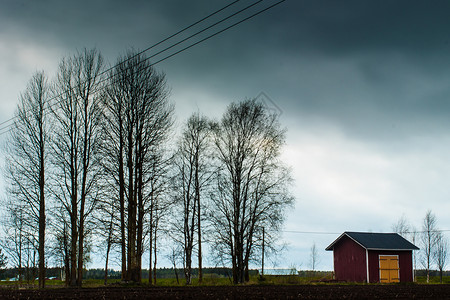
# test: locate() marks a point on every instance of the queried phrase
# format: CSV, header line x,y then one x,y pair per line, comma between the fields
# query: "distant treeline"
x,y
29,274
432,273
310,273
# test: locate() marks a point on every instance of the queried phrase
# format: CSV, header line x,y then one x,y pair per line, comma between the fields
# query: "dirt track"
x,y
240,292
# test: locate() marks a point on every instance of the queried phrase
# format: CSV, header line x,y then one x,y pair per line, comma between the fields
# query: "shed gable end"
x,y
349,261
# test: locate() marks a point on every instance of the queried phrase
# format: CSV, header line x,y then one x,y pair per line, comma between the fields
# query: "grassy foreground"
x,y
207,281
310,279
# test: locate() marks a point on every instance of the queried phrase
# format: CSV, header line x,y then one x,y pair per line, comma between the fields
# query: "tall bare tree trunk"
x,y
26,161
199,228
108,247
140,205
155,255
80,249
150,250
131,214
42,222
122,213
41,247
109,238
122,222
84,170
74,236
66,255
121,147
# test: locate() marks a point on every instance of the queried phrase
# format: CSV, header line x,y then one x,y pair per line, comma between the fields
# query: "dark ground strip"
x,y
412,291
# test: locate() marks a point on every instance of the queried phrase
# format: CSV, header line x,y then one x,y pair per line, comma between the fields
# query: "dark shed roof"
x,y
377,241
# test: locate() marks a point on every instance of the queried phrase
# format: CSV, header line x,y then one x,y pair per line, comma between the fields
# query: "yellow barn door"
x,y
389,270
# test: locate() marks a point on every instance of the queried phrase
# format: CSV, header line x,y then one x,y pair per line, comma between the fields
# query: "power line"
x,y
328,232
201,31
183,30
309,232
7,128
208,37
184,40
219,32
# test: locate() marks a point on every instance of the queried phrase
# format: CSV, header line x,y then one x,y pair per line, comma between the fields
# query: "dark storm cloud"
x,y
331,28
357,63
376,68
80,24
349,27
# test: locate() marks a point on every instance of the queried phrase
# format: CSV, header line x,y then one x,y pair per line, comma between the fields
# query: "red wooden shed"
x,y
372,257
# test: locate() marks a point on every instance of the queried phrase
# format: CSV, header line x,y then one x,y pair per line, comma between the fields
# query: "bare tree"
x,y
27,159
252,183
193,173
314,257
109,243
173,256
106,227
440,253
402,227
20,242
428,239
3,260
77,139
139,118
15,235
60,246
157,204
412,238
406,230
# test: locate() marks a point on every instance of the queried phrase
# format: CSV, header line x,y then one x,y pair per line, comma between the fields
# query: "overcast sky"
x,y
362,88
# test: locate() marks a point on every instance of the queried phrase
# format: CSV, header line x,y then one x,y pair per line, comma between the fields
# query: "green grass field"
x,y
302,279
